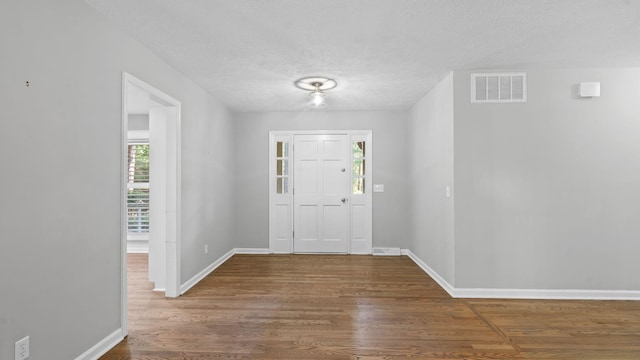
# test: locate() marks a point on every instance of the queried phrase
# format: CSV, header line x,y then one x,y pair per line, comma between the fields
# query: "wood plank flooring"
x,y
359,307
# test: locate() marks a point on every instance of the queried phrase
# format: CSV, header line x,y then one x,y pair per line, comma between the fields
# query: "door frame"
x,y
173,198
281,210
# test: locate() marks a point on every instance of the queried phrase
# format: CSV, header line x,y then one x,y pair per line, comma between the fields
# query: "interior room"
x,y
489,148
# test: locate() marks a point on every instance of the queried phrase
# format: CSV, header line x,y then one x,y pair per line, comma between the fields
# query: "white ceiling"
x,y
384,54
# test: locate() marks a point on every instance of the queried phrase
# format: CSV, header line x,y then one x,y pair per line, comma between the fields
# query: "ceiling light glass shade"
x,y
317,99
317,85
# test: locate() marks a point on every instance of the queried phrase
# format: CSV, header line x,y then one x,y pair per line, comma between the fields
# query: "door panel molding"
x,y
320,219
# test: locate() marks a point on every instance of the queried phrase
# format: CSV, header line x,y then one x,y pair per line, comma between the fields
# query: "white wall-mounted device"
x,y
589,89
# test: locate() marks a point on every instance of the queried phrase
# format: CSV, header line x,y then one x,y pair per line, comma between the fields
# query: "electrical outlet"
x,y
206,248
22,349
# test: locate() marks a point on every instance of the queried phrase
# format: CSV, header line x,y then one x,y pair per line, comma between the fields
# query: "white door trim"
x,y
281,222
172,278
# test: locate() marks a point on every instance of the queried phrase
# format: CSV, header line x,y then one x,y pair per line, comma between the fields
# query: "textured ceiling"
x,y
385,54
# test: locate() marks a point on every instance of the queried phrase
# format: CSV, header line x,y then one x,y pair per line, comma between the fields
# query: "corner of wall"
x,y
104,345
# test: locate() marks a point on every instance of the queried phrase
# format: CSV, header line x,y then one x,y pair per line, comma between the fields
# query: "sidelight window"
x,y
359,162
282,167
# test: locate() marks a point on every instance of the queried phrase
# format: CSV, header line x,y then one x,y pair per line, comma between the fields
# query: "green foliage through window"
x,y
358,156
138,170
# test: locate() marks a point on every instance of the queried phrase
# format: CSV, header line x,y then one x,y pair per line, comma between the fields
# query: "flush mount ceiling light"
x,y
317,85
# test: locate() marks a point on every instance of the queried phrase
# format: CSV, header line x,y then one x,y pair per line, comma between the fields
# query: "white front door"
x,y
321,194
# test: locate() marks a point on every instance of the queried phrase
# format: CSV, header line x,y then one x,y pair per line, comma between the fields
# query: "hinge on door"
x,y
293,236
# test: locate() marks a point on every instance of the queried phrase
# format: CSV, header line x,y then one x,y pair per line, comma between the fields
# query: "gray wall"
x,y
430,135
208,187
390,169
60,224
548,192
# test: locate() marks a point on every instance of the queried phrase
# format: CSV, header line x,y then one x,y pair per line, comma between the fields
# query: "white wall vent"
x,y
386,251
499,88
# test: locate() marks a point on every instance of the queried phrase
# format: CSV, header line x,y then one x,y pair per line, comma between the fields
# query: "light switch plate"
x,y
589,89
378,187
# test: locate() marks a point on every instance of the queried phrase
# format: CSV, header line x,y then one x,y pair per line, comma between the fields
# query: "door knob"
x,y
344,200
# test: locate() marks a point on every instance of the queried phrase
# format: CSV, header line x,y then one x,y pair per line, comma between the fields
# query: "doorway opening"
x,y
150,196
319,192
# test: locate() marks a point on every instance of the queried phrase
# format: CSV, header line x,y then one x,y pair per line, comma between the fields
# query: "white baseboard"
x,y
260,251
478,293
546,294
434,275
112,340
103,346
202,274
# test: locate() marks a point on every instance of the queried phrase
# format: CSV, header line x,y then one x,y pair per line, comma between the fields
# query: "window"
x,y
359,160
138,189
282,167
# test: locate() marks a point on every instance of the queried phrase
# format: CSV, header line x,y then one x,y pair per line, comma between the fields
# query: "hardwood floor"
x,y
359,307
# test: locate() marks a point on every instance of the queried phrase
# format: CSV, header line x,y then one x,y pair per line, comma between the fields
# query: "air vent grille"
x,y
499,88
